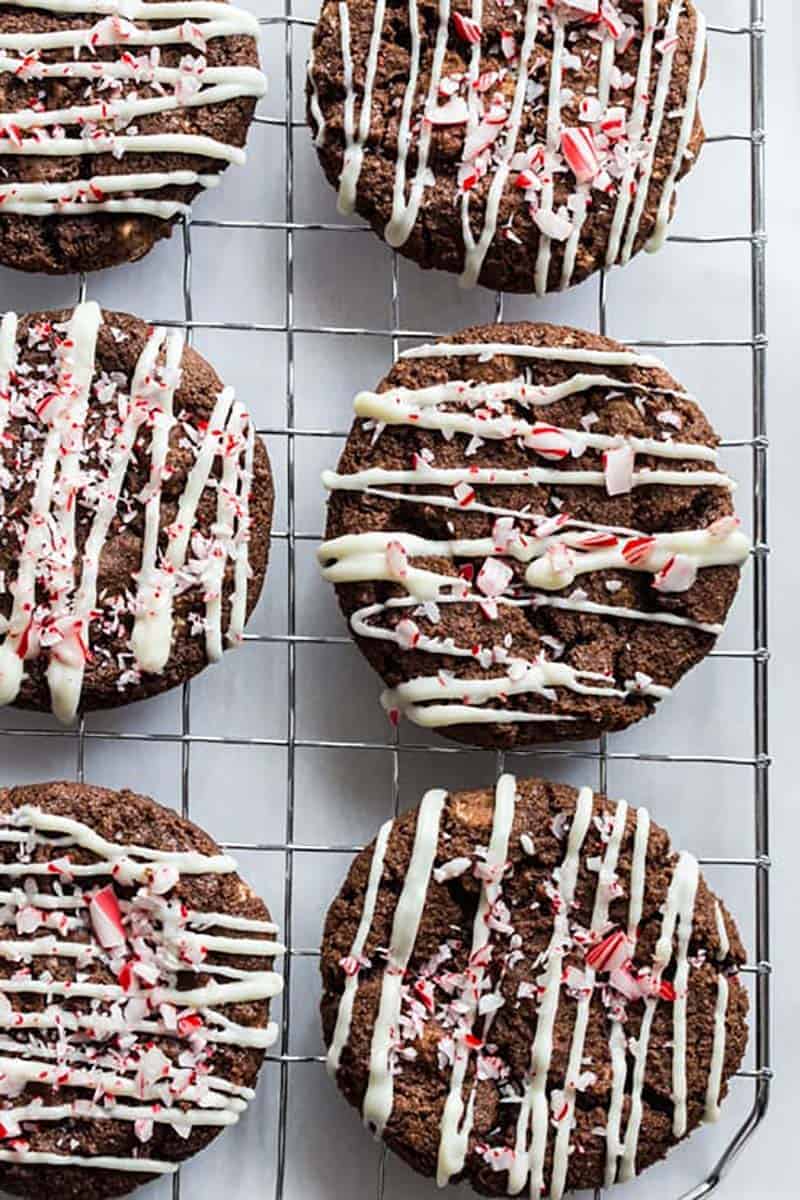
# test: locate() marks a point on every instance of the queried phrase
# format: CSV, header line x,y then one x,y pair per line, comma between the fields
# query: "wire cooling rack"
x,y
753,866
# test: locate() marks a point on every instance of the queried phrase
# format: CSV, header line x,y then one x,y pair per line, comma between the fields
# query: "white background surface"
x,y
239,791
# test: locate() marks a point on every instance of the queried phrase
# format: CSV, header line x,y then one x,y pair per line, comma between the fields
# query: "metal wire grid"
x,y
759,862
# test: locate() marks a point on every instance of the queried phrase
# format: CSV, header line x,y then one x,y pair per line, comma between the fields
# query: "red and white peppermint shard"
x,y
618,467
494,577
580,152
561,559
623,980
636,550
508,44
106,918
599,540
610,954
613,124
467,29
677,575
611,19
548,442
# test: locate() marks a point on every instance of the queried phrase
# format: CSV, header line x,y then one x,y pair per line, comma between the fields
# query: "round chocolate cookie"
x,y
135,981
135,510
523,145
530,535
530,988
115,115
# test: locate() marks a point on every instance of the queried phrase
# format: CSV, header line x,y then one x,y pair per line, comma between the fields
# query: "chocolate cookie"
x,y
115,115
529,534
135,509
530,988
135,980
522,145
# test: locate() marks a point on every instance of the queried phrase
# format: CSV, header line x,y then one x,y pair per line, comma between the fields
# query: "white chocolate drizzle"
x,y
388,408
532,1121
554,551
98,1049
344,1013
461,1003
684,137
664,79
720,1021
378,1098
617,1039
110,110
314,104
619,162
405,209
61,628
457,1119
475,252
678,913
598,925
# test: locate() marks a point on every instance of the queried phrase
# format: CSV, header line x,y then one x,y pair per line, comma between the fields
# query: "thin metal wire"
x,y
758,761
291,719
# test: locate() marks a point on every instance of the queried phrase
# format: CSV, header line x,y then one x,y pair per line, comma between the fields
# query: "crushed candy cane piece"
x,y
467,29
494,577
579,149
106,918
618,465
609,954
677,575
452,869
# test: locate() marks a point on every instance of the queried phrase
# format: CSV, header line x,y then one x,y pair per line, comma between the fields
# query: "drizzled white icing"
x,y
316,111
664,78
621,122
106,1048
345,1011
363,556
617,1039
405,210
602,899
720,1015
678,913
532,1121
461,1001
636,125
66,483
475,251
684,136
484,351
457,1119
378,1098
391,408
555,550
113,102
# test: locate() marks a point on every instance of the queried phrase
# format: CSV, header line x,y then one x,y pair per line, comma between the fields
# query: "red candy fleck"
x,y
609,954
636,550
580,152
467,29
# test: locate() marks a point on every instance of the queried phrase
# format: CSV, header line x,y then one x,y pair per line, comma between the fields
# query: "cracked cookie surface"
x,y
135,1032
489,966
523,146
114,122
135,511
530,534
